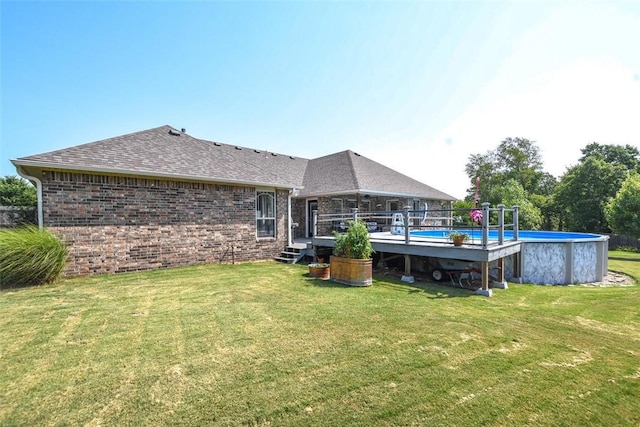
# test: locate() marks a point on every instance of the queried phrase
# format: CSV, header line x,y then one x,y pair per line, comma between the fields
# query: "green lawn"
x,y
625,262
263,344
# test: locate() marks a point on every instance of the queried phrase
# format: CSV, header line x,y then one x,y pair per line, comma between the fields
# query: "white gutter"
x,y
23,174
377,193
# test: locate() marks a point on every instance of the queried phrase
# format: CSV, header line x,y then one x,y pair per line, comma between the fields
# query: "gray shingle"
x,y
165,151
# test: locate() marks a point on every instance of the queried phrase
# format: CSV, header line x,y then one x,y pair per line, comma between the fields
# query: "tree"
x,y
584,191
626,156
519,159
514,158
512,194
15,191
482,166
623,210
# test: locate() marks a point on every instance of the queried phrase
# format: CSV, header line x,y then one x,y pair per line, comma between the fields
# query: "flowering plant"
x,y
476,215
454,235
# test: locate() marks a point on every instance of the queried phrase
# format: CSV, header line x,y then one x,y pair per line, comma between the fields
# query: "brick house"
x,y
162,198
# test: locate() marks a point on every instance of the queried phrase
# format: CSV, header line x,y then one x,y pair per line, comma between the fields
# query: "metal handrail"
x,y
446,222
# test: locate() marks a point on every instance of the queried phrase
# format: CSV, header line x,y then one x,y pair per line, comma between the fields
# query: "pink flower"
x,y
476,215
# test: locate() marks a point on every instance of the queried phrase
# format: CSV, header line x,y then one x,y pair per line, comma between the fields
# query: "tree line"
x,y
599,194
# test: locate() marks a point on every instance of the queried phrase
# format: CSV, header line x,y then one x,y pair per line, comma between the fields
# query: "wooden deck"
x,y
387,243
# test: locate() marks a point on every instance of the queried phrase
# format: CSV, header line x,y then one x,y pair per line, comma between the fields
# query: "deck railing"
x,y
447,220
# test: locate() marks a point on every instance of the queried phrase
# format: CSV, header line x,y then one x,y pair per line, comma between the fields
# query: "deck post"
x,y
314,222
485,225
407,277
354,212
501,283
485,291
516,226
406,224
501,223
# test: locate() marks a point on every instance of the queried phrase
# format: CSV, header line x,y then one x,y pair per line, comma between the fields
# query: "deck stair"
x,y
292,254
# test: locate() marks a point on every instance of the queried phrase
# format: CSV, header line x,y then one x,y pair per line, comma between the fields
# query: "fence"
x,y
13,216
618,241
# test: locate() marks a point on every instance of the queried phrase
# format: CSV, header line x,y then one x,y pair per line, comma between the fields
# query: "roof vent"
x,y
273,154
183,130
257,151
292,158
238,148
174,132
217,144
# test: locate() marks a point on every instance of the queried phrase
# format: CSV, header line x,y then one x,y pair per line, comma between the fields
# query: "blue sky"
x,y
417,86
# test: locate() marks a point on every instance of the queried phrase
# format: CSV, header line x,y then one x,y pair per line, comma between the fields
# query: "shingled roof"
x,y
350,172
169,153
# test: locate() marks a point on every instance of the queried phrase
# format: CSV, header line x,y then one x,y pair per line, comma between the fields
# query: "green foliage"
x,y
15,191
623,210
584,192
512,194
514,159
512,175
354,243
454,235
29,256
626,156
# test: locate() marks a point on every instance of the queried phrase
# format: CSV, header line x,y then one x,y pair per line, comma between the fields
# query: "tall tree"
x,y
626,156
15,191
623,210
512,194
585,189
515,161
519,159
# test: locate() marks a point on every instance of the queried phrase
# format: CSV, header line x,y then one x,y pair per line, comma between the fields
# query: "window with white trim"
x,y
266,214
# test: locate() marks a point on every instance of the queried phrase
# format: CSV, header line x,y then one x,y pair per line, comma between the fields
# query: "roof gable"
x,y
169,153
350,172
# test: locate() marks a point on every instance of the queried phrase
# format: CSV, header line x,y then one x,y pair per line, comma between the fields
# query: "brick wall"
x,y
374,203
118,223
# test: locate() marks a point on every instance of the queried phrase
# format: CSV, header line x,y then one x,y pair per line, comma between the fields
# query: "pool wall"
x,y
560,263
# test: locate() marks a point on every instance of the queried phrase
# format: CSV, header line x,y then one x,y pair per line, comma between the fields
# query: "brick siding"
x,y
120,223
376,204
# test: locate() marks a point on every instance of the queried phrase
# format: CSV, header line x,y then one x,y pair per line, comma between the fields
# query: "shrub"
x,y
354,243
29,256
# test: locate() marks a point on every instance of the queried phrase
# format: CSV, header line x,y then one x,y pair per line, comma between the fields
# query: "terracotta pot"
x,y
321,271
352,272
458,241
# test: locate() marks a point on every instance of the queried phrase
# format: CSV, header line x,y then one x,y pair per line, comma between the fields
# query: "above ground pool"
x,y
546,257
523,235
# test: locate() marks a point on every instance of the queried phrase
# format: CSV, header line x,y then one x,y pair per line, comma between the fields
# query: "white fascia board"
x,y
115,171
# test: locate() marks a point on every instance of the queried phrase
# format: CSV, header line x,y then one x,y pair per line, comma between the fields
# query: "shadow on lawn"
x,y
618,258
430,290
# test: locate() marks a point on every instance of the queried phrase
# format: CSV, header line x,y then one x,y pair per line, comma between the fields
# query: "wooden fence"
x,y
618,241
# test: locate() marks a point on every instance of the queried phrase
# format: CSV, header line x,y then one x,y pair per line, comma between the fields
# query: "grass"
x,y
264,344
625,262
29,256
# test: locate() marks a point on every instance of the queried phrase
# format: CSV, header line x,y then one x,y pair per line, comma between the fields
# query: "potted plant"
x,y
458,237
351,262
321,270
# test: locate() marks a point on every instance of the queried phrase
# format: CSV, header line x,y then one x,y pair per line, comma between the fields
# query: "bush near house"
x,y
30,256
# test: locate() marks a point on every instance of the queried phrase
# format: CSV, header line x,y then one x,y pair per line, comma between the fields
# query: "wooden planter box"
x,y
321,271
352,272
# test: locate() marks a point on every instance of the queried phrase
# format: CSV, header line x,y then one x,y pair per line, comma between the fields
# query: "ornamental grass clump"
x,y
29,256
